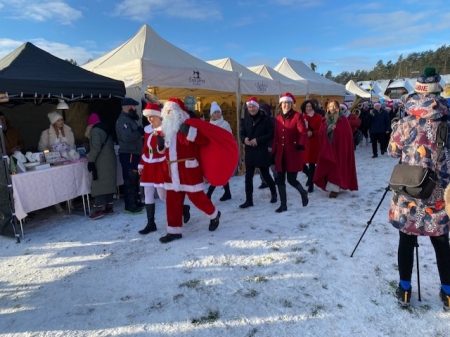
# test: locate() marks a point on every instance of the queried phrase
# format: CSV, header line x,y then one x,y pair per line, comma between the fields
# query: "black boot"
x,y
151,226
273,195
246,204
214,223
186,213
283,200
306,171
170,237
137,190
312,169
227,194
303,193
128,195
211,189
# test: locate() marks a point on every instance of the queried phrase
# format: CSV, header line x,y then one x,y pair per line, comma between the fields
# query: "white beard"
x,y
172,120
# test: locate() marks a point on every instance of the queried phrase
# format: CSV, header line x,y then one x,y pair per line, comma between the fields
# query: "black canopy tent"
x,y
31,71
34,80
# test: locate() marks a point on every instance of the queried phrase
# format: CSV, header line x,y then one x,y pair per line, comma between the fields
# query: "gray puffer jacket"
x,y
128,135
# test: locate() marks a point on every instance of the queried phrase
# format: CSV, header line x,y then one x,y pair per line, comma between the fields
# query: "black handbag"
x,y
418,181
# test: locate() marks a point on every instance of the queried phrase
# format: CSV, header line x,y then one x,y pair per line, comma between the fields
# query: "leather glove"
x,y
160,142
184,128
92,168
299,147
141,130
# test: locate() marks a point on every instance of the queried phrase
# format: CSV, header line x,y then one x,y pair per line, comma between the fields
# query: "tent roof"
x,y
251,83
316,83
356,89
29,70
286,84
146,59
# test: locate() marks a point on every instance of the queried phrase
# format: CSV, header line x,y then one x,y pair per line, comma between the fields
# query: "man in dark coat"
x,y
129,135
379,127
256,134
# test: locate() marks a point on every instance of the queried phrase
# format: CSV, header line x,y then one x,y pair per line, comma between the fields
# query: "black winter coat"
x,y
260,127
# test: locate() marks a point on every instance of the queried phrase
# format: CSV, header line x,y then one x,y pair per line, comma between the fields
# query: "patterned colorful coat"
x,y
414,140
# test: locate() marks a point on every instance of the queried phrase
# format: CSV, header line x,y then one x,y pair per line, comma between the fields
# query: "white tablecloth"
x,y
38,189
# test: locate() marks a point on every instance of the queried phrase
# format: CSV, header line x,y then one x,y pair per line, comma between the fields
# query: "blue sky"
x,y
339,35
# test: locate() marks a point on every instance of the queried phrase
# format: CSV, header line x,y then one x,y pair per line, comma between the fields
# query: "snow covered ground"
x,y
259,274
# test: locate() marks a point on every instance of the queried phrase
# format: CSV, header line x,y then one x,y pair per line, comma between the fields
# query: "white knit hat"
x,y
54,116
215,107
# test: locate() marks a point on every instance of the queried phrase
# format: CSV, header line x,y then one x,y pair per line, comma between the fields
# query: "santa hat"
x,y
93,118
174,104
152,109
253,101
428,82
287,97
377,104
343,106
54,116
214,107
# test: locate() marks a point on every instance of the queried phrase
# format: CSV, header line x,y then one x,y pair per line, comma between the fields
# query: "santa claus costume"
x,y
194,149
151,165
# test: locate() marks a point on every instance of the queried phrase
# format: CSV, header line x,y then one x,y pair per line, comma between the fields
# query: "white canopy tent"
x,y
286,84
316,83
147,60
352,87
250,83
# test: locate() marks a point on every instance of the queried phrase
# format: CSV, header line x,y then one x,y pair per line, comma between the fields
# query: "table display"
x,y
35,190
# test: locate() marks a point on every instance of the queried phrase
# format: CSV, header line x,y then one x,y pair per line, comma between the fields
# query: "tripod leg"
x,y
418,274
370,221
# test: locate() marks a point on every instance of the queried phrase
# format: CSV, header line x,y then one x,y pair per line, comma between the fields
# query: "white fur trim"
x,y
192,134
148,129
185,188
174,230
152,160
140,166
152,184
191,163
173,156
214,215
286,99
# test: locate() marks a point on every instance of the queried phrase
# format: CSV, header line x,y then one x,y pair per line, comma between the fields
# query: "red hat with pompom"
x,y
287,97
152,109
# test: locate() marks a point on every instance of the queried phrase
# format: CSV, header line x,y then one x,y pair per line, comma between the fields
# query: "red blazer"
x,y
313,123
288,133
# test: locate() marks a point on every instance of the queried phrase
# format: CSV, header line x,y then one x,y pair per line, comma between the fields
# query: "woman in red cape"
x,y
336,169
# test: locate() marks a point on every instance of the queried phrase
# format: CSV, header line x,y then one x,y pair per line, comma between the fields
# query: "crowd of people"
x,y
177,154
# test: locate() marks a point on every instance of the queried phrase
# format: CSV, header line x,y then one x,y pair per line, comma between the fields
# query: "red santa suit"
x,y
313,124
152,162
184,176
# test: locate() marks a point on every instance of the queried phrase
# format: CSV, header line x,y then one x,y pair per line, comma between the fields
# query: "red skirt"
x,y
153,174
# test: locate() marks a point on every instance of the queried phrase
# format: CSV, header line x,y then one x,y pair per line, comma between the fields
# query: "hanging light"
x,y
62,105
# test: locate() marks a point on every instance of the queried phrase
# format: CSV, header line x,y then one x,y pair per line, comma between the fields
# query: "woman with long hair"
x,y
336,168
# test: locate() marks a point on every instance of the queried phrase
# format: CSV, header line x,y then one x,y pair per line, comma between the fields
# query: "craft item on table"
x,y
52,157
74,155
82,152
61,147
19,159
12,166
30,157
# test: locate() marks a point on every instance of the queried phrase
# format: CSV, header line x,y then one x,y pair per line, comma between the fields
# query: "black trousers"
x,y
406,246
380,138
249,173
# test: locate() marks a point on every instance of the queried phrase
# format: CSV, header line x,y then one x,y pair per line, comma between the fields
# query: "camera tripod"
x,y
387,189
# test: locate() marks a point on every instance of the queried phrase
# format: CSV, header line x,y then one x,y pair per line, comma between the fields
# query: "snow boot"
x,y
211,189
445,298
273,195
151,226
227,194
186,213
283,199
97,213
128,195
303,194
109,208
403,296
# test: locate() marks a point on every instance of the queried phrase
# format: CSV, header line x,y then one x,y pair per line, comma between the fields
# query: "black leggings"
x,y
291,178
406,246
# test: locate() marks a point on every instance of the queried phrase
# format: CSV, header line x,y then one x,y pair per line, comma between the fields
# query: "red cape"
x,y
220,157
336,162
